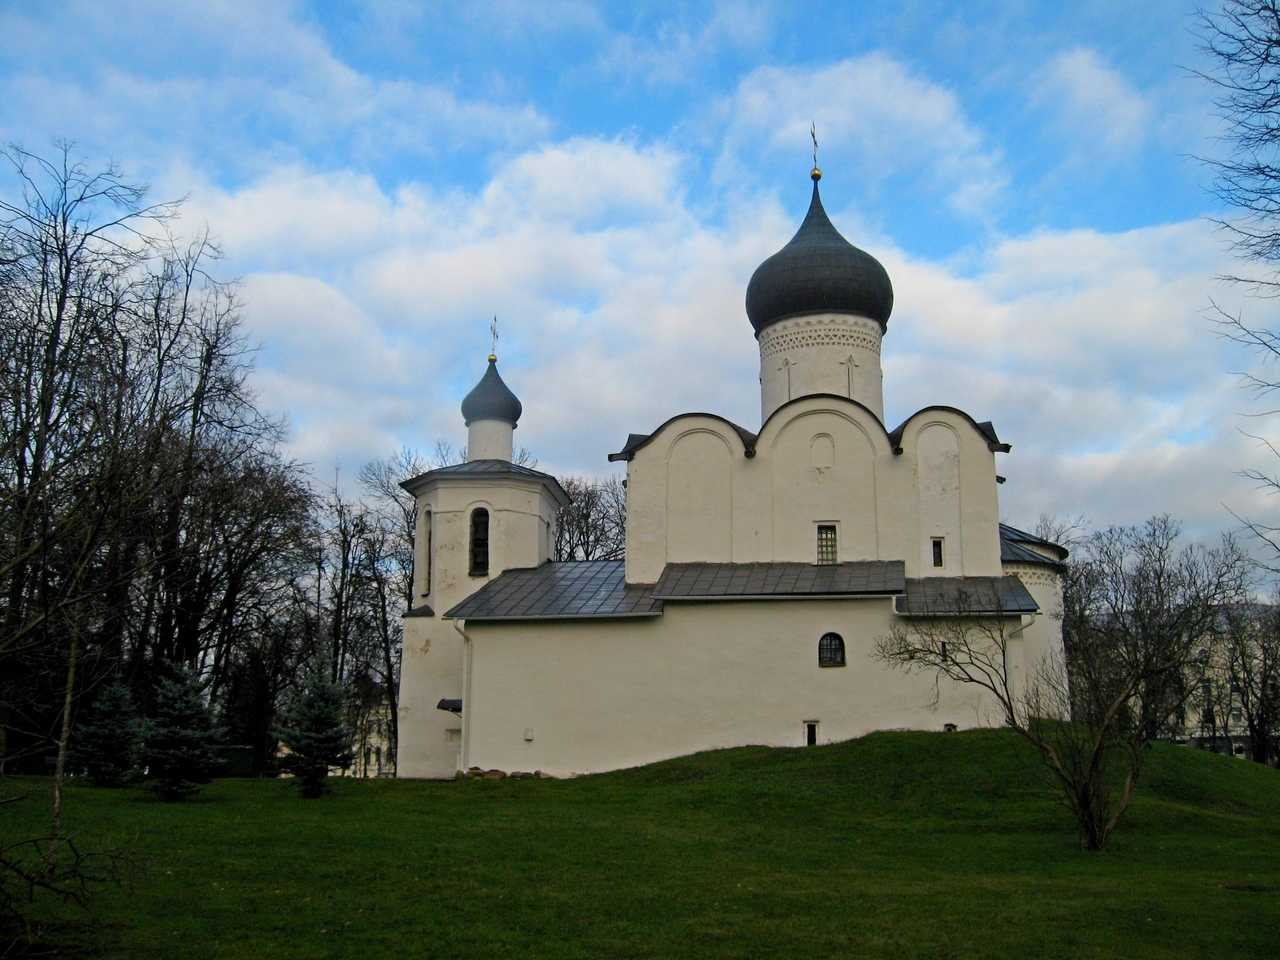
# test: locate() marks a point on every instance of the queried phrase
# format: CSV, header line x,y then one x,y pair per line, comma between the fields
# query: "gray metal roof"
x,y
596,589
491,399
1013,552
486,469
637,440
694,581
944,596
818,271
569,590
1016,541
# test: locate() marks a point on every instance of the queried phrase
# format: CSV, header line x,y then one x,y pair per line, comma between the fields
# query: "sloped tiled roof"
x,y
944,596
1014,548
692,581
596,589
559,591
486,469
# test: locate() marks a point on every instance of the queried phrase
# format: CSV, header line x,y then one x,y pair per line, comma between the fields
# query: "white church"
x,y
762,565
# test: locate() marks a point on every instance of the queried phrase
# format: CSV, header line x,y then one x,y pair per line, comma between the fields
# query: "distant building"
x,y
761,565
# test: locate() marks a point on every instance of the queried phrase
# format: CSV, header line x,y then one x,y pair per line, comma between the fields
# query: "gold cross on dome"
x,y
493,338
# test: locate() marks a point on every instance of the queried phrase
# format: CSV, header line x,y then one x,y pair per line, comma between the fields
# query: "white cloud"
x,y
885,118
1090,351
1094,103
238,86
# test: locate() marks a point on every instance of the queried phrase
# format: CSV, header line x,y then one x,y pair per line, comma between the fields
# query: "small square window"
x,y
937,551
826,543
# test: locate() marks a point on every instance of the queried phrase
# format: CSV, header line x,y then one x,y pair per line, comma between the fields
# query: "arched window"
x,y
480,542
426,557
831,650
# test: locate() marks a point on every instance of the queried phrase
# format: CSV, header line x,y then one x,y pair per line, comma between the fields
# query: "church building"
x,y
762,565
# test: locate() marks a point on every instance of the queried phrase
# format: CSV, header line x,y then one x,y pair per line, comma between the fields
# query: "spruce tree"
x,y
182,738
314,729
107,741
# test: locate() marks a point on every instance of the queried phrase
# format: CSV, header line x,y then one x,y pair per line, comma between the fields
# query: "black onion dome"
x,y
491,399
819,271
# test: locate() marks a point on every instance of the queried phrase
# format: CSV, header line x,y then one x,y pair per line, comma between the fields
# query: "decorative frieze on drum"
x,y
819,333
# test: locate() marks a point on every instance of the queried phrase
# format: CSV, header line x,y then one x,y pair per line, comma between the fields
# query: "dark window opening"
x,y
426,557
937,551
811,733
826,543
480,543
831,650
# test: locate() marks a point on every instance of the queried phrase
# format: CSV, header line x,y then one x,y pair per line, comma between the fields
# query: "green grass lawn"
x,y
895,845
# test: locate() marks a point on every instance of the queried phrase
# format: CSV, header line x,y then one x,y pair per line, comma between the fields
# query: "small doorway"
x,y
811,733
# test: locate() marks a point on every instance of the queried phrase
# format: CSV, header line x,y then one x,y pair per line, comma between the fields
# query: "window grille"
x,y
937,551
480,543
831,650
826,543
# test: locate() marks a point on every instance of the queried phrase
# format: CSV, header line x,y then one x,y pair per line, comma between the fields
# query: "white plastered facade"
x,y
570,696
521,517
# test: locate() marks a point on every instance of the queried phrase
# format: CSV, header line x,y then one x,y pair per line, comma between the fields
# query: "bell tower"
x,y
473,521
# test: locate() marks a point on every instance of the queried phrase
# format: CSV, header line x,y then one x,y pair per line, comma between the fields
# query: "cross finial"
x,y
815,174
493,338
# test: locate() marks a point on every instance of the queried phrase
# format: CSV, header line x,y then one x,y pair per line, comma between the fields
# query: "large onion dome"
x,y
819,271
491,399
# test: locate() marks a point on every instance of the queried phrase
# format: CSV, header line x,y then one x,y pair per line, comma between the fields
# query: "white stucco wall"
x,y
490,440
583,696
521,516
821,353
693,494
1042,639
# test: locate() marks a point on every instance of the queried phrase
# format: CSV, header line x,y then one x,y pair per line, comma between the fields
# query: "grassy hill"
x,y
895,845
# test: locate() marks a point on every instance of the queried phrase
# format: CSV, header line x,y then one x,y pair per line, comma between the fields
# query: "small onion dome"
x,y
819,271
491,399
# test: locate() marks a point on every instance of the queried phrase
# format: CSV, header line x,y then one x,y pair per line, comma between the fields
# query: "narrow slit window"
x,y
937,551
827,543
426,557
480,543
831,650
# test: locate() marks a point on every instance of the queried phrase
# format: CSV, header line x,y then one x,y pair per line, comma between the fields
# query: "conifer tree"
x,y
314,729
182,737
107,742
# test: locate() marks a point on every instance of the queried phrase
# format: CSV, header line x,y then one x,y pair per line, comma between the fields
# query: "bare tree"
x,y
1139,609
1242,41
143,501
1247,677
593,525
445,454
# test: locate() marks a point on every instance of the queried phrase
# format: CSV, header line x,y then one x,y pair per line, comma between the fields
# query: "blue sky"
x,y
385,176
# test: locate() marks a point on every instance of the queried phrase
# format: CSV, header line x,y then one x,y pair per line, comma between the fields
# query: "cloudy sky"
x,y
386,176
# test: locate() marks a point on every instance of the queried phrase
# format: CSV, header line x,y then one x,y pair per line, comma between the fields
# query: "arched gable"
x,y
821,466
956,505
850,410
984,429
